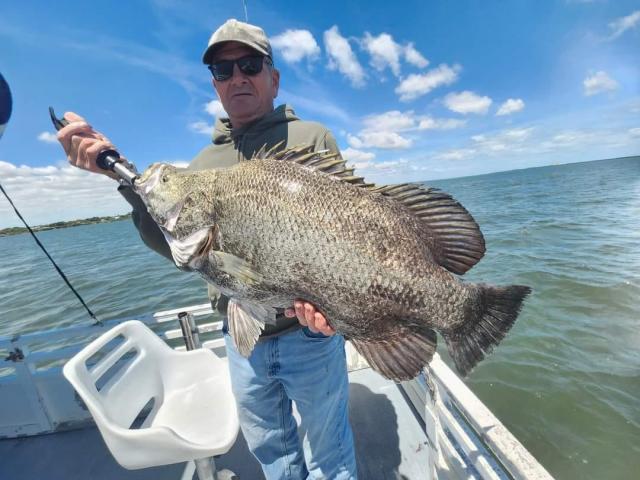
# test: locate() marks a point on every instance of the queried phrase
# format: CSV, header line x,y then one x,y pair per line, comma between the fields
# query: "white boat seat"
x,y
193,414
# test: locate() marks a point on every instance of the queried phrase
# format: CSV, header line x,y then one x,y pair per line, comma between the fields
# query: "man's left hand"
x,y
310,317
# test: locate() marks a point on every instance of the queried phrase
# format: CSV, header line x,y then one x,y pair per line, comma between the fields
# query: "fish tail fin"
x,y
489,318
402,355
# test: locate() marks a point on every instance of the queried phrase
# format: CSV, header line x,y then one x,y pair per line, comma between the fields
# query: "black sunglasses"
x,y
250,65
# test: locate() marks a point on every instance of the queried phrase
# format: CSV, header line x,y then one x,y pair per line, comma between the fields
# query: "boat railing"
x,y
468,440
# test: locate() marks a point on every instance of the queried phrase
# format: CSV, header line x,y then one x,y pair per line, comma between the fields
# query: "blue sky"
x,y
412,90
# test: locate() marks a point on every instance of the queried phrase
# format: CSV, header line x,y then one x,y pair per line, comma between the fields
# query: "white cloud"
x,y
384,51
379,171
414,57
74,192
634,132
356,156
416,85
393,120
203,128
512,105
382,130
380,139
507,140
518,134
429,123
567,139
389,165
295,45
456,154
48,137
621,25
215,109
500,143
342,58
599,82
467,102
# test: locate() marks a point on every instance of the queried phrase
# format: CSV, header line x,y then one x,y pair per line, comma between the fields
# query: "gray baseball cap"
x,y
234,31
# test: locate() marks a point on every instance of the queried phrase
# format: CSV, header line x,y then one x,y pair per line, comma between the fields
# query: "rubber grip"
x,y
107,159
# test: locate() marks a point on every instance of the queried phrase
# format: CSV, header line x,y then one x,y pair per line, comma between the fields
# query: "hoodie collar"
x,y
225,133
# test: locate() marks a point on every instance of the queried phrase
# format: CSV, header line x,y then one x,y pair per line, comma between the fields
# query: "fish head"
x,y
164,189
176,199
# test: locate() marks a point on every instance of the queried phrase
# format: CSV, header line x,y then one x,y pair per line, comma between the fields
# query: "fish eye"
x,y
164,178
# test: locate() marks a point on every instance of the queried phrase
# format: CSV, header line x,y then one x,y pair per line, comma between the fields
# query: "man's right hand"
x,y
83,144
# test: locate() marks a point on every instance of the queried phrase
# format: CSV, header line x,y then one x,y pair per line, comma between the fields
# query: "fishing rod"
x,y
6,104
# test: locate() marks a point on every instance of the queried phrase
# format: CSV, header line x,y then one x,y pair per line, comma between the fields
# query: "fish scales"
x,y
376,261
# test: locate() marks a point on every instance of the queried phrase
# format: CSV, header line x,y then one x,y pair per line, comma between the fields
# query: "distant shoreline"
x,y
5,232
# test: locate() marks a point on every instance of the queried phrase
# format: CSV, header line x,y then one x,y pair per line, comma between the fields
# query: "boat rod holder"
x,y
190,332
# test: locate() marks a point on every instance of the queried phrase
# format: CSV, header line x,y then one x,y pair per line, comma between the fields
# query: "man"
x,y
290,363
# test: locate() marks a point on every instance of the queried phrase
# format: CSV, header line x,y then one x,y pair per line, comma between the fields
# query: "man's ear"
x,y
275,78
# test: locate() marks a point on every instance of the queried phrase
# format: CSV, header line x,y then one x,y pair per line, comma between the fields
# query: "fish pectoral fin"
x,y
402,355
237,267
246,322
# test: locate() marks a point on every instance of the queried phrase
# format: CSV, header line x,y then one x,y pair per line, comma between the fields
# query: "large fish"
x,y
381,263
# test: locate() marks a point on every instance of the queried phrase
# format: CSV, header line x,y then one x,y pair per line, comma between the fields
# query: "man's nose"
x,y
238,76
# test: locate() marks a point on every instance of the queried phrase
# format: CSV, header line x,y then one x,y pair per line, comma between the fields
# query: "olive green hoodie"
x,y
229,147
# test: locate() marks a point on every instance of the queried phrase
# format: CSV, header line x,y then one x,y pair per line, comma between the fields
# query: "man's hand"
x,y
83,144
309,317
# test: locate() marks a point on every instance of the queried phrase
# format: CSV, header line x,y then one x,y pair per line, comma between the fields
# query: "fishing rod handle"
x,y
107,160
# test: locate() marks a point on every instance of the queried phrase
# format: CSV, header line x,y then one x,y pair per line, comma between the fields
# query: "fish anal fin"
x,y
400,356
459,241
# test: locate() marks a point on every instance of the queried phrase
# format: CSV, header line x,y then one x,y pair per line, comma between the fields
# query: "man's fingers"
x,y
289,312
299,309
309,316
322,325
66,134
73,117
319,321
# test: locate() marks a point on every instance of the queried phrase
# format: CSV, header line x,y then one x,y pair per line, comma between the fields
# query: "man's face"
x,y
245,98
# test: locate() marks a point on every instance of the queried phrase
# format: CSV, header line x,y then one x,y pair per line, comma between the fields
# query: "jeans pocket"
x,y
311,335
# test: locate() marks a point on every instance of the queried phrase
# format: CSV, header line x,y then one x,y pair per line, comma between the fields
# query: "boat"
x,y
432,427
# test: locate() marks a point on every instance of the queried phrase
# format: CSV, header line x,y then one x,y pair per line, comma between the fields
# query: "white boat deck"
x,y
390,443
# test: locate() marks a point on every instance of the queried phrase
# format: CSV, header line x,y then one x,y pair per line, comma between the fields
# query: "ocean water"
x,y
565,381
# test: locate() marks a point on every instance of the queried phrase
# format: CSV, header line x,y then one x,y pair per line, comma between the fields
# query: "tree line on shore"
x,y
72,223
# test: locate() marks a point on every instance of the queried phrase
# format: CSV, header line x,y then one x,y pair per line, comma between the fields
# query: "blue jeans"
x,y
309,369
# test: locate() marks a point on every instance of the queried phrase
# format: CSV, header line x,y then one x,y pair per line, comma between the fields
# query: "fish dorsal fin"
x,y
461,244
323,161
452,226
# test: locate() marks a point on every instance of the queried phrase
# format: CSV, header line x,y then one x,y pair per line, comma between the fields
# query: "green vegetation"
x,y
72,223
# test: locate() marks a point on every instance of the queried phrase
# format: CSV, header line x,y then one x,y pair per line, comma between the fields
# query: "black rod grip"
x,y
107,159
